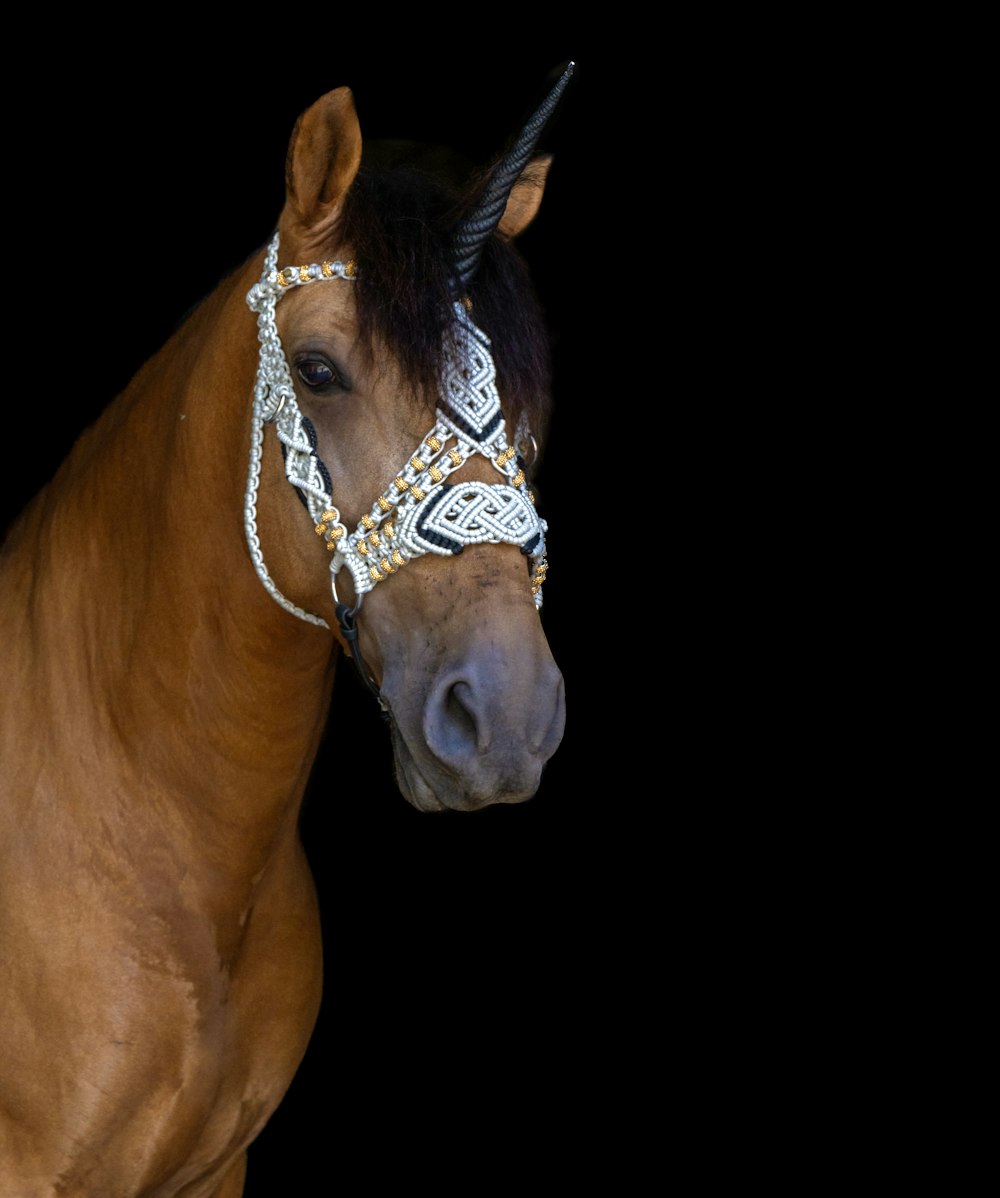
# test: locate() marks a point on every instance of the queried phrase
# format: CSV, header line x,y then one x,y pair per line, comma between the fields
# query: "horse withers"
x,y
331,454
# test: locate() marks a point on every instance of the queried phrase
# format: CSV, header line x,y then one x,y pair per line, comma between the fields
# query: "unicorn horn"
x,y
476,229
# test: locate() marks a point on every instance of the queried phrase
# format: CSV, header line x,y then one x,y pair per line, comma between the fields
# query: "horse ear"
x,y
323,157
525,198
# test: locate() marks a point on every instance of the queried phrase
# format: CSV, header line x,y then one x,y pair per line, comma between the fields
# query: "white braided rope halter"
x,y
419,512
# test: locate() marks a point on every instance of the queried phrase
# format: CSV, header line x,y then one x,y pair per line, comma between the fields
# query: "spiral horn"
x,y
475,229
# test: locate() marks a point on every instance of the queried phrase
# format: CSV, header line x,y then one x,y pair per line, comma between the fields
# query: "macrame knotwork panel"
x,y
419,512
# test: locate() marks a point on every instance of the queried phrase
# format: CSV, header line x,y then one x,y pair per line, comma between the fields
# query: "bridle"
x,y
420,511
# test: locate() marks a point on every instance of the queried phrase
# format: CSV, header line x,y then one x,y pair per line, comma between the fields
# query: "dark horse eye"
x,y
317,374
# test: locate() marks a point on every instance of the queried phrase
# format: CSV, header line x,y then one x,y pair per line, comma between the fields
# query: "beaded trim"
x,y
420,511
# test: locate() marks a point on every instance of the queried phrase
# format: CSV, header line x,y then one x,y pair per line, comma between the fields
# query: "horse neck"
x,y
146,626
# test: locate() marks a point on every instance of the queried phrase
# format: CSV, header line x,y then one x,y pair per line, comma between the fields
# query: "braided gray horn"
x,y
475,230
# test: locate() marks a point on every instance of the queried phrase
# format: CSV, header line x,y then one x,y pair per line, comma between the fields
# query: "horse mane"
x,y
399,217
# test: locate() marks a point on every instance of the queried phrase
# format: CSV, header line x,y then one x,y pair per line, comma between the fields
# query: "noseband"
x,y
420,511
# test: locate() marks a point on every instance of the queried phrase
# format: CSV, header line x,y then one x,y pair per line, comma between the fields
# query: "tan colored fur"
x,y
159,715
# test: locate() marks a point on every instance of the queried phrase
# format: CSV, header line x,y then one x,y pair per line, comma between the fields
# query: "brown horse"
x,y
331,453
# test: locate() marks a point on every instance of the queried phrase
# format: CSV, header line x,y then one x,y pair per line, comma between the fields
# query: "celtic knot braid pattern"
x,y
419,512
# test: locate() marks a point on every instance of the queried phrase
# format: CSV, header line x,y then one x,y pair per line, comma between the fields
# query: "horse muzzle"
x,y
481,736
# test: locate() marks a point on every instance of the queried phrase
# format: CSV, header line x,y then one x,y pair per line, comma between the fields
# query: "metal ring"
x,y
336,598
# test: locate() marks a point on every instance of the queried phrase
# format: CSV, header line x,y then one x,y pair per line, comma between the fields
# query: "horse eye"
x,y
317,374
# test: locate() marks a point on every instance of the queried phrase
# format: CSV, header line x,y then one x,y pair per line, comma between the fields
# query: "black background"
x,y
483,980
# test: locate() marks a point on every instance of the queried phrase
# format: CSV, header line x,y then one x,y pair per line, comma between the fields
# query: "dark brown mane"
x,y
399,221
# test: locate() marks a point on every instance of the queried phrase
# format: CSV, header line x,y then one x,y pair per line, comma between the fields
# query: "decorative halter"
x,y
420,511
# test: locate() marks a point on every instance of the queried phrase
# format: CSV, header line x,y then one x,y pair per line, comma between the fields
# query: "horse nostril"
x,y
474,715
459,729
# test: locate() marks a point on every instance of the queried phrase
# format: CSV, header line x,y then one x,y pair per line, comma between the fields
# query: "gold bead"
x,y
416,492
398,558
436,474
416,463
401,484
373,539
303,274
375,574
384,503
434,444
327,269
388,529
455,456
367,521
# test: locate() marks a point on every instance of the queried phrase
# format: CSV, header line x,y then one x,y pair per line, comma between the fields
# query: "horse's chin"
x,y
414,788
429,788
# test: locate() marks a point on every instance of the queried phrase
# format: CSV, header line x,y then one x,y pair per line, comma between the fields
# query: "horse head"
x,y
405,371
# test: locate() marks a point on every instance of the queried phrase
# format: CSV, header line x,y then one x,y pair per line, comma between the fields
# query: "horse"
x,y
330,458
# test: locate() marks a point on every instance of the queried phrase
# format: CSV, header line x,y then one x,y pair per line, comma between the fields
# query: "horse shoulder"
x,y
173,1016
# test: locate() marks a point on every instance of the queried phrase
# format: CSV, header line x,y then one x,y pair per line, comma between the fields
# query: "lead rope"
x,y
250,521
264,411
346,616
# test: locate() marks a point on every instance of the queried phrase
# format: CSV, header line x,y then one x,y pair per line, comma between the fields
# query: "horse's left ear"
x,y
525,197
323,157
